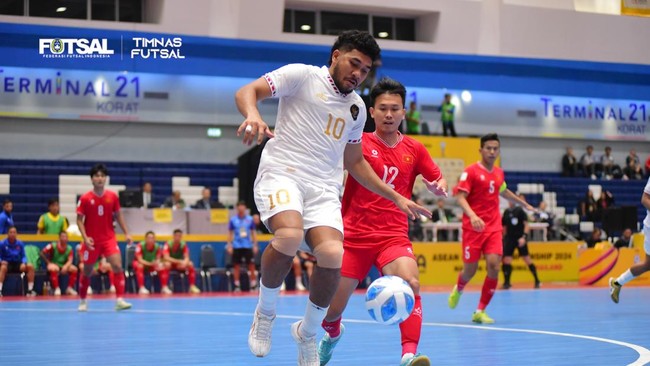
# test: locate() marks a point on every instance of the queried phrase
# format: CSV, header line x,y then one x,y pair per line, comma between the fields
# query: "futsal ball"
x,y
389,300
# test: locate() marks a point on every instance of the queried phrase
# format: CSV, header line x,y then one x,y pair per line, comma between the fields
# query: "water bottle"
x,y
46,288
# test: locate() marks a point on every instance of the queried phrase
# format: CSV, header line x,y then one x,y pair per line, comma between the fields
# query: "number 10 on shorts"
x,y
281,197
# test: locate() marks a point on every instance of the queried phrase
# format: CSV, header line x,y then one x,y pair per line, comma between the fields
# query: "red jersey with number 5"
x,y
482,187
98,212
368,215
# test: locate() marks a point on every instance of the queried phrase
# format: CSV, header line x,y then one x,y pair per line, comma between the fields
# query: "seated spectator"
x,y
605,201
174,201
588,207
6,217
176,257
14,260
59,255
625,241
594,238
632,170
443,215
569,163
51,222
147,196
148,257
610,168
206,202
101,267
542,214
588,163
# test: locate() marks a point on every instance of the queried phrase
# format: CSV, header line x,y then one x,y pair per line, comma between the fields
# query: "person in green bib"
x,y
413,120
447,110
58,255
51,222
176,256
148,257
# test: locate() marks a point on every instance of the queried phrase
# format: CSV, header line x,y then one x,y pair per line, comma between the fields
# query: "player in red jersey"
x,y
478,192
376,231
95,213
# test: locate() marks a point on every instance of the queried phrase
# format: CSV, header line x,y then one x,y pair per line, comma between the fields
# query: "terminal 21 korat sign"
x,y
539,115
98,95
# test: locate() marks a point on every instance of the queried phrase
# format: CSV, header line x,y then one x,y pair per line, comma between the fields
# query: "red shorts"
x,y
476,243
105,249
358,257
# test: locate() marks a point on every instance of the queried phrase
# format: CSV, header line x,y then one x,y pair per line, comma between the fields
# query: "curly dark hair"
x,y
356,40
387,86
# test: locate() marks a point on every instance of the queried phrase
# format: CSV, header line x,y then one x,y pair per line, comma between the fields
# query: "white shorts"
x,y
646,240
318,204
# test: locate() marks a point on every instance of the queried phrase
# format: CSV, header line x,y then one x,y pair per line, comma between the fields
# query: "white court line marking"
x,y
644,353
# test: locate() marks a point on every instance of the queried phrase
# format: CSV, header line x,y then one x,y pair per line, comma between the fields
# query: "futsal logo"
x,y
74,48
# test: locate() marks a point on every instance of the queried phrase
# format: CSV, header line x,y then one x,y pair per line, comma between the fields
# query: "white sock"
x,y
626,277
299,280
267,299
313,319
30,286
0,286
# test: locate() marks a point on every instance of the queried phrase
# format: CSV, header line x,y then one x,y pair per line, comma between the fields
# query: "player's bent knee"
x,y
329,254
287,240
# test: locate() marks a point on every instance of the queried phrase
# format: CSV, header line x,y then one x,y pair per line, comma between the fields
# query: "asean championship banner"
x,y
440,263
598,265
635,7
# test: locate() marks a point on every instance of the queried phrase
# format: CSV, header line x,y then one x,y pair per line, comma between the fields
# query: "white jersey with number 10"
x,y
314,124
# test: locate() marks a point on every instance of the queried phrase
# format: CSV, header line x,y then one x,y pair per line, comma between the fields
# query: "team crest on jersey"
x,y
408,159
354,111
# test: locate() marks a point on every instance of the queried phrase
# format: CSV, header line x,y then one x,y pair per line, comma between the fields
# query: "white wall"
x,y
522,28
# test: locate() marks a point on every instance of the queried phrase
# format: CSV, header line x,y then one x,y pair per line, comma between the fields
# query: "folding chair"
x,y
209,268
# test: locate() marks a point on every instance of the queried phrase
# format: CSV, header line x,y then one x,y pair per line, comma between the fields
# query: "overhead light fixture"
x,y
214,132
61,9
305,27
382,34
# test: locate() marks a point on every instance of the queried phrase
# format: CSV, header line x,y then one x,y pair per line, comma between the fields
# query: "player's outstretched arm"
x,y
246,99
363,173
645,201
437,187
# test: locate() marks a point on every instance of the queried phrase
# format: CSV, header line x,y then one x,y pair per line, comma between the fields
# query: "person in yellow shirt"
x,y
51,222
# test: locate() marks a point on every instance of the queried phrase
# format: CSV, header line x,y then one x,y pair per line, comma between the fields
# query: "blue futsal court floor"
x,y
578,326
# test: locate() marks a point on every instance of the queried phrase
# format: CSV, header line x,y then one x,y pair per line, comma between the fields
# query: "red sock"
x,y
54,279
164,277
119,284
489,286
332,328
411,329
73,280
191,275
460,283
83,286
139,276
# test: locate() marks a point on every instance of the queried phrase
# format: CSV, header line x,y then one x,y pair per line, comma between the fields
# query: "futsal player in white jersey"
x,y
638,269
318,130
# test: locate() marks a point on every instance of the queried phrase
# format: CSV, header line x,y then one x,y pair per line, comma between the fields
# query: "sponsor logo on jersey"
x,y
375,153
354,111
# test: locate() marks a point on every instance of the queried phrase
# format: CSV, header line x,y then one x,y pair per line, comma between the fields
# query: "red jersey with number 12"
x,y
98,212
368,215
482,187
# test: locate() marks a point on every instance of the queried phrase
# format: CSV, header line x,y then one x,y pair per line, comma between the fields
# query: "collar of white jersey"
x,y
332,83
